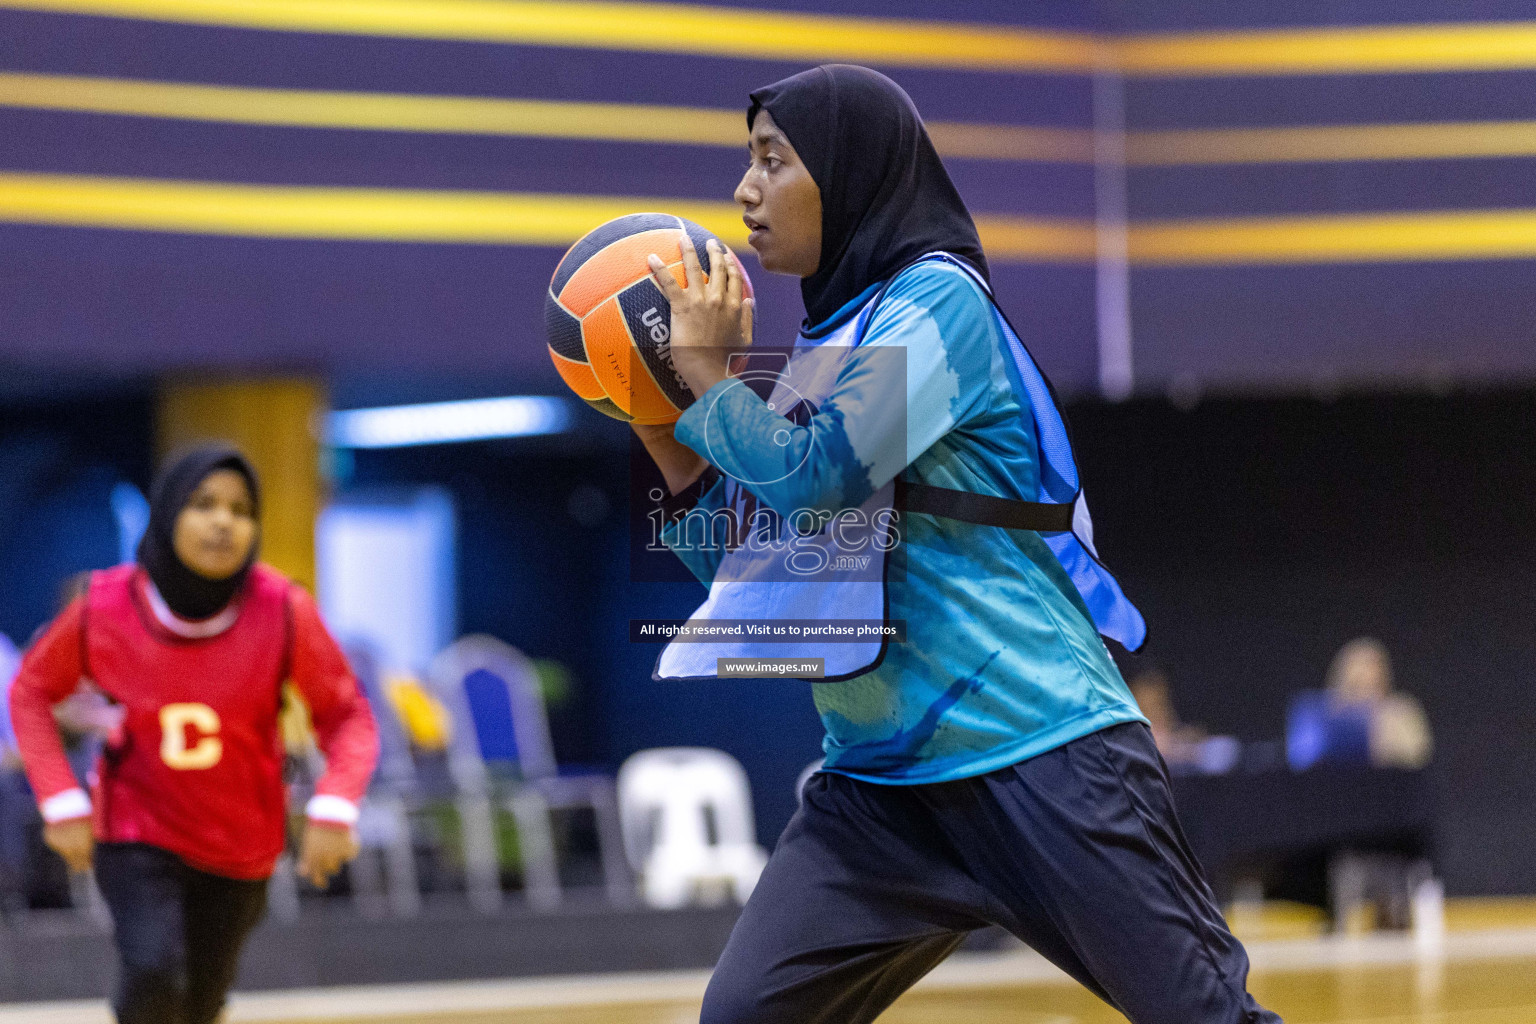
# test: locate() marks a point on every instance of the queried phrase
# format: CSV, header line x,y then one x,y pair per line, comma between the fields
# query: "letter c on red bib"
x,y
178,722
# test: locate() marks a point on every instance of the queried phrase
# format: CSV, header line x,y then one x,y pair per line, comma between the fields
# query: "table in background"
x,y
1281,828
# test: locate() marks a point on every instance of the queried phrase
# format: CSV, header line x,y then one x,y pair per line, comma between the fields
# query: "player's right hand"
x,y
74,840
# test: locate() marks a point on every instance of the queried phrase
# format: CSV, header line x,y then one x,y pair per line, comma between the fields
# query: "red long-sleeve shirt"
x,y
196,766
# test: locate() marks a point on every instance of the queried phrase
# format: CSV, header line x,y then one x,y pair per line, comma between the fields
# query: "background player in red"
x,y
187,814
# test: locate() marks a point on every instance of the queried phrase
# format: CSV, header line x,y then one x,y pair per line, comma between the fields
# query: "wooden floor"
x,y
1486,994
1499,991
1484,976
1494,991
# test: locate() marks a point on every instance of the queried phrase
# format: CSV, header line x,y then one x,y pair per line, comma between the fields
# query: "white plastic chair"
x,y
688,826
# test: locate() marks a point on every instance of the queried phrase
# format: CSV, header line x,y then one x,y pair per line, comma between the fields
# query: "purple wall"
x,y
130,303
136,302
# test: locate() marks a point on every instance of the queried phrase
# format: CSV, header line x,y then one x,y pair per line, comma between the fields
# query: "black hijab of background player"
x,y
188,594
885,196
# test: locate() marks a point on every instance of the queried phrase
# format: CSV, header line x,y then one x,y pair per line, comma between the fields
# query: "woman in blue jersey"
x,y
993,768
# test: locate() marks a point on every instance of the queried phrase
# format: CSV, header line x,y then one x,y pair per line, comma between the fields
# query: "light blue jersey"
x,y
1002,660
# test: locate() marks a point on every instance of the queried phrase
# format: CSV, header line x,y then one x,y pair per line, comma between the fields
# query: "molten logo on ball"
x,y
659,330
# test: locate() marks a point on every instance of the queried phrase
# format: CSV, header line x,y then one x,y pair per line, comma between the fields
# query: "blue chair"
x,y
501,743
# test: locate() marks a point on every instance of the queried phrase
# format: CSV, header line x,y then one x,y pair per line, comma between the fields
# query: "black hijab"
x,y
885,196
186,593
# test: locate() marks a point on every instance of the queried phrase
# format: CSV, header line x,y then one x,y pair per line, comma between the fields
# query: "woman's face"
x,y
782,205
1364,676
217,526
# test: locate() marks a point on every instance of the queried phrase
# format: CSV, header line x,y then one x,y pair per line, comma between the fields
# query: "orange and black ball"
x,y
608,325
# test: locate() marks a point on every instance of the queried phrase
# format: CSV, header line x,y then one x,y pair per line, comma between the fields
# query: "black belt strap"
x,y
983,509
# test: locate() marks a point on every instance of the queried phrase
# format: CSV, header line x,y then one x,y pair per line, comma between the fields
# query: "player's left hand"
x,y
326,846
709,318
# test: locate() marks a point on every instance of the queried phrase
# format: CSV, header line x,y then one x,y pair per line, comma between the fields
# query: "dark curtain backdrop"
x,y
1258,536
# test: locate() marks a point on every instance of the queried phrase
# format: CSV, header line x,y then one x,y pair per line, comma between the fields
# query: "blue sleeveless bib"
x,y
751,583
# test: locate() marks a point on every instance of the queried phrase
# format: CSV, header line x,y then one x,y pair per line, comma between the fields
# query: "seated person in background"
x,y
1357,719
1360,678
1183,746
1177,742
1390,732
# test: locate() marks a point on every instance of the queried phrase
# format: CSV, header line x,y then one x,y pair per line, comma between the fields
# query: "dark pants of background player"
x,y
1076,851
178,933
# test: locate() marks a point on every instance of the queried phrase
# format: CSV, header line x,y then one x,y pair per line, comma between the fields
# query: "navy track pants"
x,y
1077,852
178,931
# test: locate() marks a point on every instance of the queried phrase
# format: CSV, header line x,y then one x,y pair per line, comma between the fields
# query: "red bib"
x,y
197,768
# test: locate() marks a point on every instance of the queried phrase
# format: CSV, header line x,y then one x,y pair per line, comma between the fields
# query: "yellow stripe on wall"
x,y
304,108
660,27
1332,143
287,211
412,215
510,218
1340,238
1011,142
735,32
556,119
1037,239
704,126
1373,49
